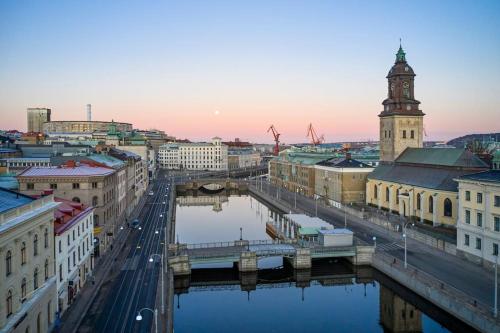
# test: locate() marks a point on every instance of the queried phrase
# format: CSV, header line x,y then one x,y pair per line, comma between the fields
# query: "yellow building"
x,y
478,227
420,183
341,180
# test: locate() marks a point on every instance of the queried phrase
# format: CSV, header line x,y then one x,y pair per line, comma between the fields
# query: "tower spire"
x,y
401,55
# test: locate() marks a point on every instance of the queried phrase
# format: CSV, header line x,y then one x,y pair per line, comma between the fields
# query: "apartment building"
x,y
27,282
211,156
90,185
74,246
478,226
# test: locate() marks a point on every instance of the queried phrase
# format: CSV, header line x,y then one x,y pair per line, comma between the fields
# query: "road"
x,y
134,287
456,272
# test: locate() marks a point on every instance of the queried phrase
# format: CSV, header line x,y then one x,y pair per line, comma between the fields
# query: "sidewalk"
x,y
74,315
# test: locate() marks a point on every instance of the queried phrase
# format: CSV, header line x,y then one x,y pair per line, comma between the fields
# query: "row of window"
x,y
479,220
24,256
447,204
479,198
82,249
479,245
53,186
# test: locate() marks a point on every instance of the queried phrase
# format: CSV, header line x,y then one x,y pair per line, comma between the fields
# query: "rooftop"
x,y
67,214
490,176
81,170
343,162
10,200
452,157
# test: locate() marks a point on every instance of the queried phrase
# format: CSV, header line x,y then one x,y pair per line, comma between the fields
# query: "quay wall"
x,y
454,301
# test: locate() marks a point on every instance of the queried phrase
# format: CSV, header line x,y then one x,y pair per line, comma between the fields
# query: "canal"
x,y
333,296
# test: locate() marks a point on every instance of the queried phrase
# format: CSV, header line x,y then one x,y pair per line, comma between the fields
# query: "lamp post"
x,y
404,237
296,190
316,206
162,285
374,241
345,218
241,233
495,308
155,312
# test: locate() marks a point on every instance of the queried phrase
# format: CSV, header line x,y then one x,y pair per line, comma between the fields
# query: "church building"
x,y
413,181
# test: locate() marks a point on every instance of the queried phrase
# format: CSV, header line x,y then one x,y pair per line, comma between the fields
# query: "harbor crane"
x,y
276,136
315,140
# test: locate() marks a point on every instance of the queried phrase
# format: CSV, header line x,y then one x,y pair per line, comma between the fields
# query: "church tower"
x,y
401,121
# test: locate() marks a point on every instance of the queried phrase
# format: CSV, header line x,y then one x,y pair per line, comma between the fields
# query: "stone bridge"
x,y
209,185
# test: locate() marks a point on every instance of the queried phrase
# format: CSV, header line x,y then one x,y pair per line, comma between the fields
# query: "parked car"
x,y
151,193
135,224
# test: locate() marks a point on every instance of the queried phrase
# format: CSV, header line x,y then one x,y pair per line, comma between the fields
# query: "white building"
x,y
478,225
27,282
194,155
73,250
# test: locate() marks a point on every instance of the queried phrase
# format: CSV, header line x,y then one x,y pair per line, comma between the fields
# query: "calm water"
x,y
336,297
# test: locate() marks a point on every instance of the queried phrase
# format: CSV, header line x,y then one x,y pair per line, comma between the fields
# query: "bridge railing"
x,y
211,245
329,249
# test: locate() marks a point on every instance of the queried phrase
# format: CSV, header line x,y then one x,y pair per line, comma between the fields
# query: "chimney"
x,y
89,112
347,156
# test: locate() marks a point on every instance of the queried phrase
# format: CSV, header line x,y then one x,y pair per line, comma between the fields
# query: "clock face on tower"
x,y
408,107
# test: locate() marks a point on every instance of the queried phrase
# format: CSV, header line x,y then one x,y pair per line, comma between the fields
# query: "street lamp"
x,y
162,285
404,237
495,308
296,190
155,312
316,206
241,233
374,241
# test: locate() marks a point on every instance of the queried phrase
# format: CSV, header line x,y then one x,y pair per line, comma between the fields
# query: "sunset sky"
x,y
197,69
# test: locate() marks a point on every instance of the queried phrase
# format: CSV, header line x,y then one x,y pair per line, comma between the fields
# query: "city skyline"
x,y
198,70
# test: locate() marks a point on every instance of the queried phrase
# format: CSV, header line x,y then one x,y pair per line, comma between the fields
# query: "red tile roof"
x,y
67,214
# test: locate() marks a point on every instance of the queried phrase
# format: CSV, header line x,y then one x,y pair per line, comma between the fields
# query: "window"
x,y
397,197
495,249
68,240
69,265
76,199
46,269
387,194
60,246
466,240
404,134
74,258
46,238
467,195
497,201
8,263
496,222
95,201
447,207
479,198
60,272
478,243
35,279
49,311
8,303
73,234
23,289
467,216
418,201
375,191
35,245
479,219
23,253
53,186
30,186
94,185
76,186
431,205
412,134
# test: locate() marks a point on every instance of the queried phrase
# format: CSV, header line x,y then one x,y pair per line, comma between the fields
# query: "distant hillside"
x,y
463,141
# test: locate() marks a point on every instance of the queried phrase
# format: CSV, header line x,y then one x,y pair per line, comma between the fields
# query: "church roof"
x,y
421,176
450,157
430,168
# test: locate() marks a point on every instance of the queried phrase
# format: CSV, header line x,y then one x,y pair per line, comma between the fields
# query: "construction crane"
x,y
276,135
315,140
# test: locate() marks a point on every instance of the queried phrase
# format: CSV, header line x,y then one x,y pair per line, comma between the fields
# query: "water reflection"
x,y
333,296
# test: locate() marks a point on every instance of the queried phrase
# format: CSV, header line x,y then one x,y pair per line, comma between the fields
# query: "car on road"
x,y
151,193
135,224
